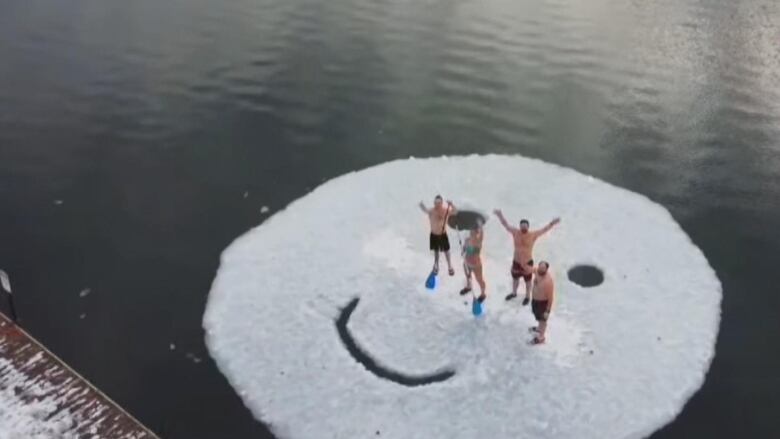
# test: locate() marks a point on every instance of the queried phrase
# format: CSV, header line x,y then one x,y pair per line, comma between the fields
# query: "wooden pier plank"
x,y
61,399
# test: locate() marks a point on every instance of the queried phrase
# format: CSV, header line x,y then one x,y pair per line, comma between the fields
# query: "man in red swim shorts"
x,y
523,263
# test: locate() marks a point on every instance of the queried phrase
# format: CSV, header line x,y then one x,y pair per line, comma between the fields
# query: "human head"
x,y
524,225
542,268
438,200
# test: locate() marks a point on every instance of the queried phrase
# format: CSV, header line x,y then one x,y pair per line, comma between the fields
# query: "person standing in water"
x,y
543,299
438,240
472,261
523,263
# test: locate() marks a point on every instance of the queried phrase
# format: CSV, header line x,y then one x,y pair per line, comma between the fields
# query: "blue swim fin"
x,y
476,307
430,283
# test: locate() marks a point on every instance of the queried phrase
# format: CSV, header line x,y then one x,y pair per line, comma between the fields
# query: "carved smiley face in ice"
x,y
320,320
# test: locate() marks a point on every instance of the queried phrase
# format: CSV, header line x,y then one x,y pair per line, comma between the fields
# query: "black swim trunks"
x,y
519,271
440,242
539,307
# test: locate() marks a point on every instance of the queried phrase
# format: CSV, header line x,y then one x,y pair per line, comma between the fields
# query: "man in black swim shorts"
x,y
543,297
438,240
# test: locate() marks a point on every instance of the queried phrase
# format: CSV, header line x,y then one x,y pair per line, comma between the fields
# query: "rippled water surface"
x,y
137,139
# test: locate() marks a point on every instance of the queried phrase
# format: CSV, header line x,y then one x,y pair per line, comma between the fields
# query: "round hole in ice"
x,y
586,275
466,220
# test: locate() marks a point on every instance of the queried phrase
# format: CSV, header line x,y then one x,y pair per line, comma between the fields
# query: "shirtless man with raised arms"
x,y
523,263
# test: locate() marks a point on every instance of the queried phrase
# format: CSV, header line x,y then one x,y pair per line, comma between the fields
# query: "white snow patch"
x,y
603,373
34,359
30,414
5,281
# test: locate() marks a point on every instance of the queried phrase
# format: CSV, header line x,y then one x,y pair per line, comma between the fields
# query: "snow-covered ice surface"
x,y
621,359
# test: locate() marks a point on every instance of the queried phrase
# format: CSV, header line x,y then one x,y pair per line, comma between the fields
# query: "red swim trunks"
x,y
526,272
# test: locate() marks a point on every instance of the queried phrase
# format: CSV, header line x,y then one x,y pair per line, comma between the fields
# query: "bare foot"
x,y
537,340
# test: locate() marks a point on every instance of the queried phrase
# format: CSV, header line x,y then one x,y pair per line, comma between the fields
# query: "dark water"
x,y
587,276
150,119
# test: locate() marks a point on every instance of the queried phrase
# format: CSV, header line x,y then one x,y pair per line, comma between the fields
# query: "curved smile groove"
x,y
362,357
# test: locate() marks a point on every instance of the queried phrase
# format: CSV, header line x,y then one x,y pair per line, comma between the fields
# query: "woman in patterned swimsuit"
x,y
472,261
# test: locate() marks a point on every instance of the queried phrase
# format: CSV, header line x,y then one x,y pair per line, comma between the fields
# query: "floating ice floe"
x,y
5,281
621,358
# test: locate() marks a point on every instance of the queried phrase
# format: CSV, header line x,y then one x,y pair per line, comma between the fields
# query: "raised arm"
x,y
501,218
453,209
424,209
547,228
